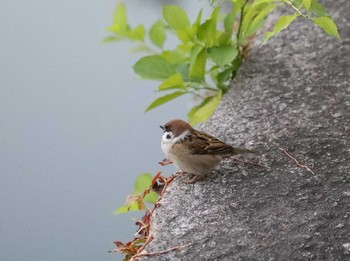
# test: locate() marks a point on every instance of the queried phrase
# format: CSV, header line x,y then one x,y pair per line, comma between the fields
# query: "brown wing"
x,y
207,144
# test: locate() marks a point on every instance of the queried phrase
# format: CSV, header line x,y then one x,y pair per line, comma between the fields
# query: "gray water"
x,y
74,134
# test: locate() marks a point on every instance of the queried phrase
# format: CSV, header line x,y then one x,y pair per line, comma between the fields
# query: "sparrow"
x,y
192,151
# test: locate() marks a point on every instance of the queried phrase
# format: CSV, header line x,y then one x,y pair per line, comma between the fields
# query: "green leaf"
x,y
137,34
185,35
185,49
297,3
258,2
120,23
121,28
197,23
183,69
197,63
208,109
258,20
237,7
283,22
307,4
317,9
140,48
215,13
111,38
142,183
224,38
328,25
228,23
173,82
191,115
222,55
235,65
126,208
253,18
154,67
151,197
164,99
176,17
224,76
249,12
203,111
157,33
174,56
135,202
207,31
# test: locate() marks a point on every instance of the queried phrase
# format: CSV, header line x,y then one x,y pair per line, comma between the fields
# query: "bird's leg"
x,y
165,162
194,178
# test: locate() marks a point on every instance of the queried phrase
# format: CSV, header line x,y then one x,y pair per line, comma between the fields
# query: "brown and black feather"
x,y
207,144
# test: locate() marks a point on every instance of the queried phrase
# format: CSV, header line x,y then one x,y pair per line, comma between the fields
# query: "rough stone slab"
x,y
293,93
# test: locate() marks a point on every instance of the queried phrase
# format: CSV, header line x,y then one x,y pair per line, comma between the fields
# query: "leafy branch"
x,y
209,52
142,194
151,190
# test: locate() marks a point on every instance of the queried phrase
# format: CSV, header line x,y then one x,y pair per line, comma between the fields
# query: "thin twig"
x,y
295,8
160,252
148,240
296,162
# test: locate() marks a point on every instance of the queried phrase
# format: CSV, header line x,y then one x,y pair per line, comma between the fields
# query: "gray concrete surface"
x,y
293,94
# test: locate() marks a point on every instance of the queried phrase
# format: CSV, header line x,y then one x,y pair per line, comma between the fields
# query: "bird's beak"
x,y
162,127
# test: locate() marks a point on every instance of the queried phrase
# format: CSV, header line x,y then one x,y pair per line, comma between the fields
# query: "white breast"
x,y
167,143
168,140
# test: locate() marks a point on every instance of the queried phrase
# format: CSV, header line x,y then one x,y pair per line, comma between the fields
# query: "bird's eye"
x,y
168,136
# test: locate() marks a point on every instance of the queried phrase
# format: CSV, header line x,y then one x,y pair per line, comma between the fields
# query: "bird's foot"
x,y
194,178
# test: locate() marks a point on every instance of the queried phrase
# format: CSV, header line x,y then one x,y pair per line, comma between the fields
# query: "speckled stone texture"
x,y
293,93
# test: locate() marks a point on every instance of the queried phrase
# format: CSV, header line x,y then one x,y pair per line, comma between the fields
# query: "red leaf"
x,y
154,180
118,243
146,218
